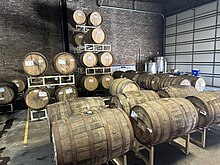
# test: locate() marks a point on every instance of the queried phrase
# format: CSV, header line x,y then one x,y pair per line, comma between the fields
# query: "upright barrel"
x,y
20,84
94,19
163,120
181,91
105,59
105,81
95,36
64,63
37,98
66,92
88,83
128,100
34,64
78,17
92,138
208,106
8,92
78,39
68,108
122,85
87,59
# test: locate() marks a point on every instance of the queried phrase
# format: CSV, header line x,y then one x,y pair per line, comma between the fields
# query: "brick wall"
x,y
26,26
127,31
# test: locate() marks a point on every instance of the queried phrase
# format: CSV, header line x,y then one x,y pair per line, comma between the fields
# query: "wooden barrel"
x,y
68,108
64,63
198,82
105,81
181,91
163,120
66,92
94,19
141,77
8,92
131,75
89,83
118,74
92,138
78,17
170,80
95,36
150,82
87,59
105,59
34,64
208,106
78,39
122,85
37,98
20,84
128,100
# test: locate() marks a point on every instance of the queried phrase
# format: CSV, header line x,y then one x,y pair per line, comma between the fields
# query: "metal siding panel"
x,y
204,69
184,58
171,20
206,8
170,49
184,48
203,58
217,57
184,68
170,40
216,81
185,37
208,80
205,22
205,34
217,70
185,27
185,15
170,58
171,30
204,46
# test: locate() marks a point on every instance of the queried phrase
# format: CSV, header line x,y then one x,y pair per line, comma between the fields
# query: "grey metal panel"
x,y
184,58
170,67
205,22
185,37
204,69
217,70
203,58
204,46
170,58
170,30
170,49
205,34
217,57
208,80
184,68
184,48
217,44
170,40
218,31
185,27
206,8
216,81
185,15
171,20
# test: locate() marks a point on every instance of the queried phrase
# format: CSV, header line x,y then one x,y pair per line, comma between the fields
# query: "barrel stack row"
x,y
91,59
158,81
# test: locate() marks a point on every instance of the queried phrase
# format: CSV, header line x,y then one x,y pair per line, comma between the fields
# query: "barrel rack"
x,y
202,142
34,113
95,70
150,148
7,105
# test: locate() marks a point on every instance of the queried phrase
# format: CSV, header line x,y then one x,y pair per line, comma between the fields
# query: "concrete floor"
x,y
39,150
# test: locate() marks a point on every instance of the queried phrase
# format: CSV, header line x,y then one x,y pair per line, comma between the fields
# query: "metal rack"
x,y
44,81
35,115
84,28
95,70
202,141
8,105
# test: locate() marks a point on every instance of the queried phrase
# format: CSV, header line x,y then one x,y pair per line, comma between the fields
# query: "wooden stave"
x,y
43,61
37,107
105,154
100,61
60,95
204,102
75,39
81,62
103,83
89,36
84,79
67,108
165,110
89,22
69,69
20,84
11,89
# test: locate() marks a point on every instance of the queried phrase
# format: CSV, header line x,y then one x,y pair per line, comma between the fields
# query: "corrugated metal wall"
x,y
193,41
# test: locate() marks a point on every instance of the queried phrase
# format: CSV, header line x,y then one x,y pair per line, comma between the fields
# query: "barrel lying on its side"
x,y
66,92
208,106
20,84
92,138
163,120
8,92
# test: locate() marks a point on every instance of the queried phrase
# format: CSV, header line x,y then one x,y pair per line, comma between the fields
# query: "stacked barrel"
x,y
90,59
35,65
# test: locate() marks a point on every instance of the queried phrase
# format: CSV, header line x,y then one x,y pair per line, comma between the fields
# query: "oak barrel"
x,y
78,17
208,106
34,64
177,91
89,83
20,84
128,100
94,19
37,98
68,108
95,36
131,75
92,138
78,39
198,82
105,81
122,85
141,77
87,59
105,59
166,81
118,74
163,120
64,63
149,81
66,92
8,92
